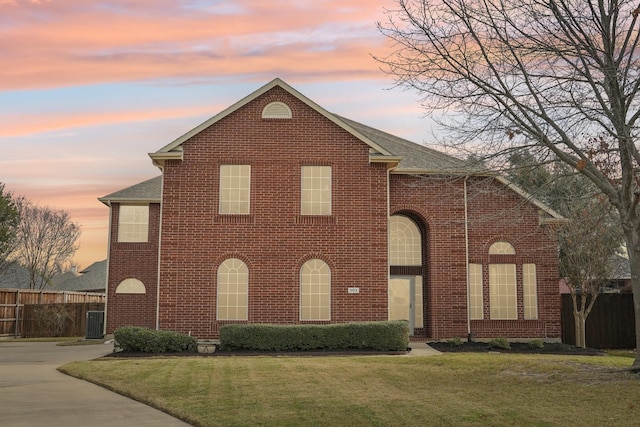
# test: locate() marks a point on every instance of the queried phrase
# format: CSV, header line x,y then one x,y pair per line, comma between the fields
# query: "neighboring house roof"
x,y
146,191
91,279
14,277
55,280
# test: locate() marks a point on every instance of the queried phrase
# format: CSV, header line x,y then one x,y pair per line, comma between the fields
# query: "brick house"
x,y
278,211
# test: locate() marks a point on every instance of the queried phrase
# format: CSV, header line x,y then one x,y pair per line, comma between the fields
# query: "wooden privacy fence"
x,y
56,320
611,323
12,302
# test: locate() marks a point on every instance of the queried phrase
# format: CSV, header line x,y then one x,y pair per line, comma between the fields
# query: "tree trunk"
x,y
633,247
580,330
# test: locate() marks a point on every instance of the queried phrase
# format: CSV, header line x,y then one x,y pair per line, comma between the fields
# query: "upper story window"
x,y
405,241
133,223
235,189
316,190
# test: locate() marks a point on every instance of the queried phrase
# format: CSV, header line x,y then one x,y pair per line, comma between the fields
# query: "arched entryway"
x,y
407,271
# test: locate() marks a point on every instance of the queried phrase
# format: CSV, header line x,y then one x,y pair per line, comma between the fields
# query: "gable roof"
x,y
404,156
149,191
173,150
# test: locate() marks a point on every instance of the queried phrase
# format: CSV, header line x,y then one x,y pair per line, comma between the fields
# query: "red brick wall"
x,y
494,213
274,240
133,260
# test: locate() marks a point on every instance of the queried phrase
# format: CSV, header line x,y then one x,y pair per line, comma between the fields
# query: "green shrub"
x,y
145,340
536,344
455,341
500,343
379,336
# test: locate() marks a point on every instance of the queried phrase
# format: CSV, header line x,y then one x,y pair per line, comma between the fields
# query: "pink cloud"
x,y
27,124
69,46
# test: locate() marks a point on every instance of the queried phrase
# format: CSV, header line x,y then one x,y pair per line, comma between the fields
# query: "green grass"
x,y
452,389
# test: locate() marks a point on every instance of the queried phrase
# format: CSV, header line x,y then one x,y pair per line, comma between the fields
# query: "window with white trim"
x,y
131,286
529,291
233,286
475,292
503,298
133,223
315,190
315,290
235,189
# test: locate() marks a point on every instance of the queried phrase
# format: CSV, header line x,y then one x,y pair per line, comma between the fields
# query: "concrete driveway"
x,y
34,393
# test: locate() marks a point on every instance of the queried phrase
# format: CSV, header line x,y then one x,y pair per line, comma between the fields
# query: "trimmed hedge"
x,y
145,340
378,336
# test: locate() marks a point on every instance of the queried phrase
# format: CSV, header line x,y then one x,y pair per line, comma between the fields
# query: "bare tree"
x,y
561,77
46,240
587,244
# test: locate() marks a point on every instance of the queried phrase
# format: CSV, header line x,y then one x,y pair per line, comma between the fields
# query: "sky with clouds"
x,y
89,88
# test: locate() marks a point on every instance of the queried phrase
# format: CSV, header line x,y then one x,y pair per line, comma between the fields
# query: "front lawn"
x,y
452,389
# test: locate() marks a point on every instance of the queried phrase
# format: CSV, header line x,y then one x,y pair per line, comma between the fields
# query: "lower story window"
x,y
502,291
315,290
530,292
233,284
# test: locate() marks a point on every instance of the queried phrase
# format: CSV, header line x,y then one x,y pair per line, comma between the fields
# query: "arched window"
x,y
315,290
502,248
503,300
405,241
233,285
131,286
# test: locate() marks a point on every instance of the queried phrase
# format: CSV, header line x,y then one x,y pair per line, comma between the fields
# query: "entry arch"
x,y
407,270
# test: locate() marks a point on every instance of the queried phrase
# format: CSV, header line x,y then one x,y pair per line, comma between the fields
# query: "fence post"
x,y
15,327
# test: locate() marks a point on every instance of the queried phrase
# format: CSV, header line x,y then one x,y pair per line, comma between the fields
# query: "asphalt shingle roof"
x,y
146,191
414,156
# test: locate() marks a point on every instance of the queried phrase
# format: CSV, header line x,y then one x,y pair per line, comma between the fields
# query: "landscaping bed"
x,y
223,353
515,347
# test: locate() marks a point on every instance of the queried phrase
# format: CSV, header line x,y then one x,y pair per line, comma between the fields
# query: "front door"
x,y
402,297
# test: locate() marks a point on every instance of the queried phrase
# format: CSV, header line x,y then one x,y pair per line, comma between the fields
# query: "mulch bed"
x,y
526,348
220,353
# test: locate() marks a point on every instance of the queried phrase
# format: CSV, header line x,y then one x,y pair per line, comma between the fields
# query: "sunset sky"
x,y
88,88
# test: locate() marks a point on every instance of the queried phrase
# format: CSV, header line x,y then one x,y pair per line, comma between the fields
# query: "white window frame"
x,y
235,190
133,223
316,190
315,282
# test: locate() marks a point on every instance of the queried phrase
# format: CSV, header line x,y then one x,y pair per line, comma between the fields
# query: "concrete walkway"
x,y
34,393
422,349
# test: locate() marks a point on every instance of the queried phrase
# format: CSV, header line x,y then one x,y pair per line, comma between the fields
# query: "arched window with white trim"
x,y
315,290
233,287
503,298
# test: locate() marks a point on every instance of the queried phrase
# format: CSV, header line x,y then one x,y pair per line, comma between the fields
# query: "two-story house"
x,y
278,211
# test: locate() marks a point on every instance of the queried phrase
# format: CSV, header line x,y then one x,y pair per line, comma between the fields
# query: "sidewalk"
x,y
422,349
34,393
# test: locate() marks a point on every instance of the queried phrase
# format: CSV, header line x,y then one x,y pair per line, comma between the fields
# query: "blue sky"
x,y
87,89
